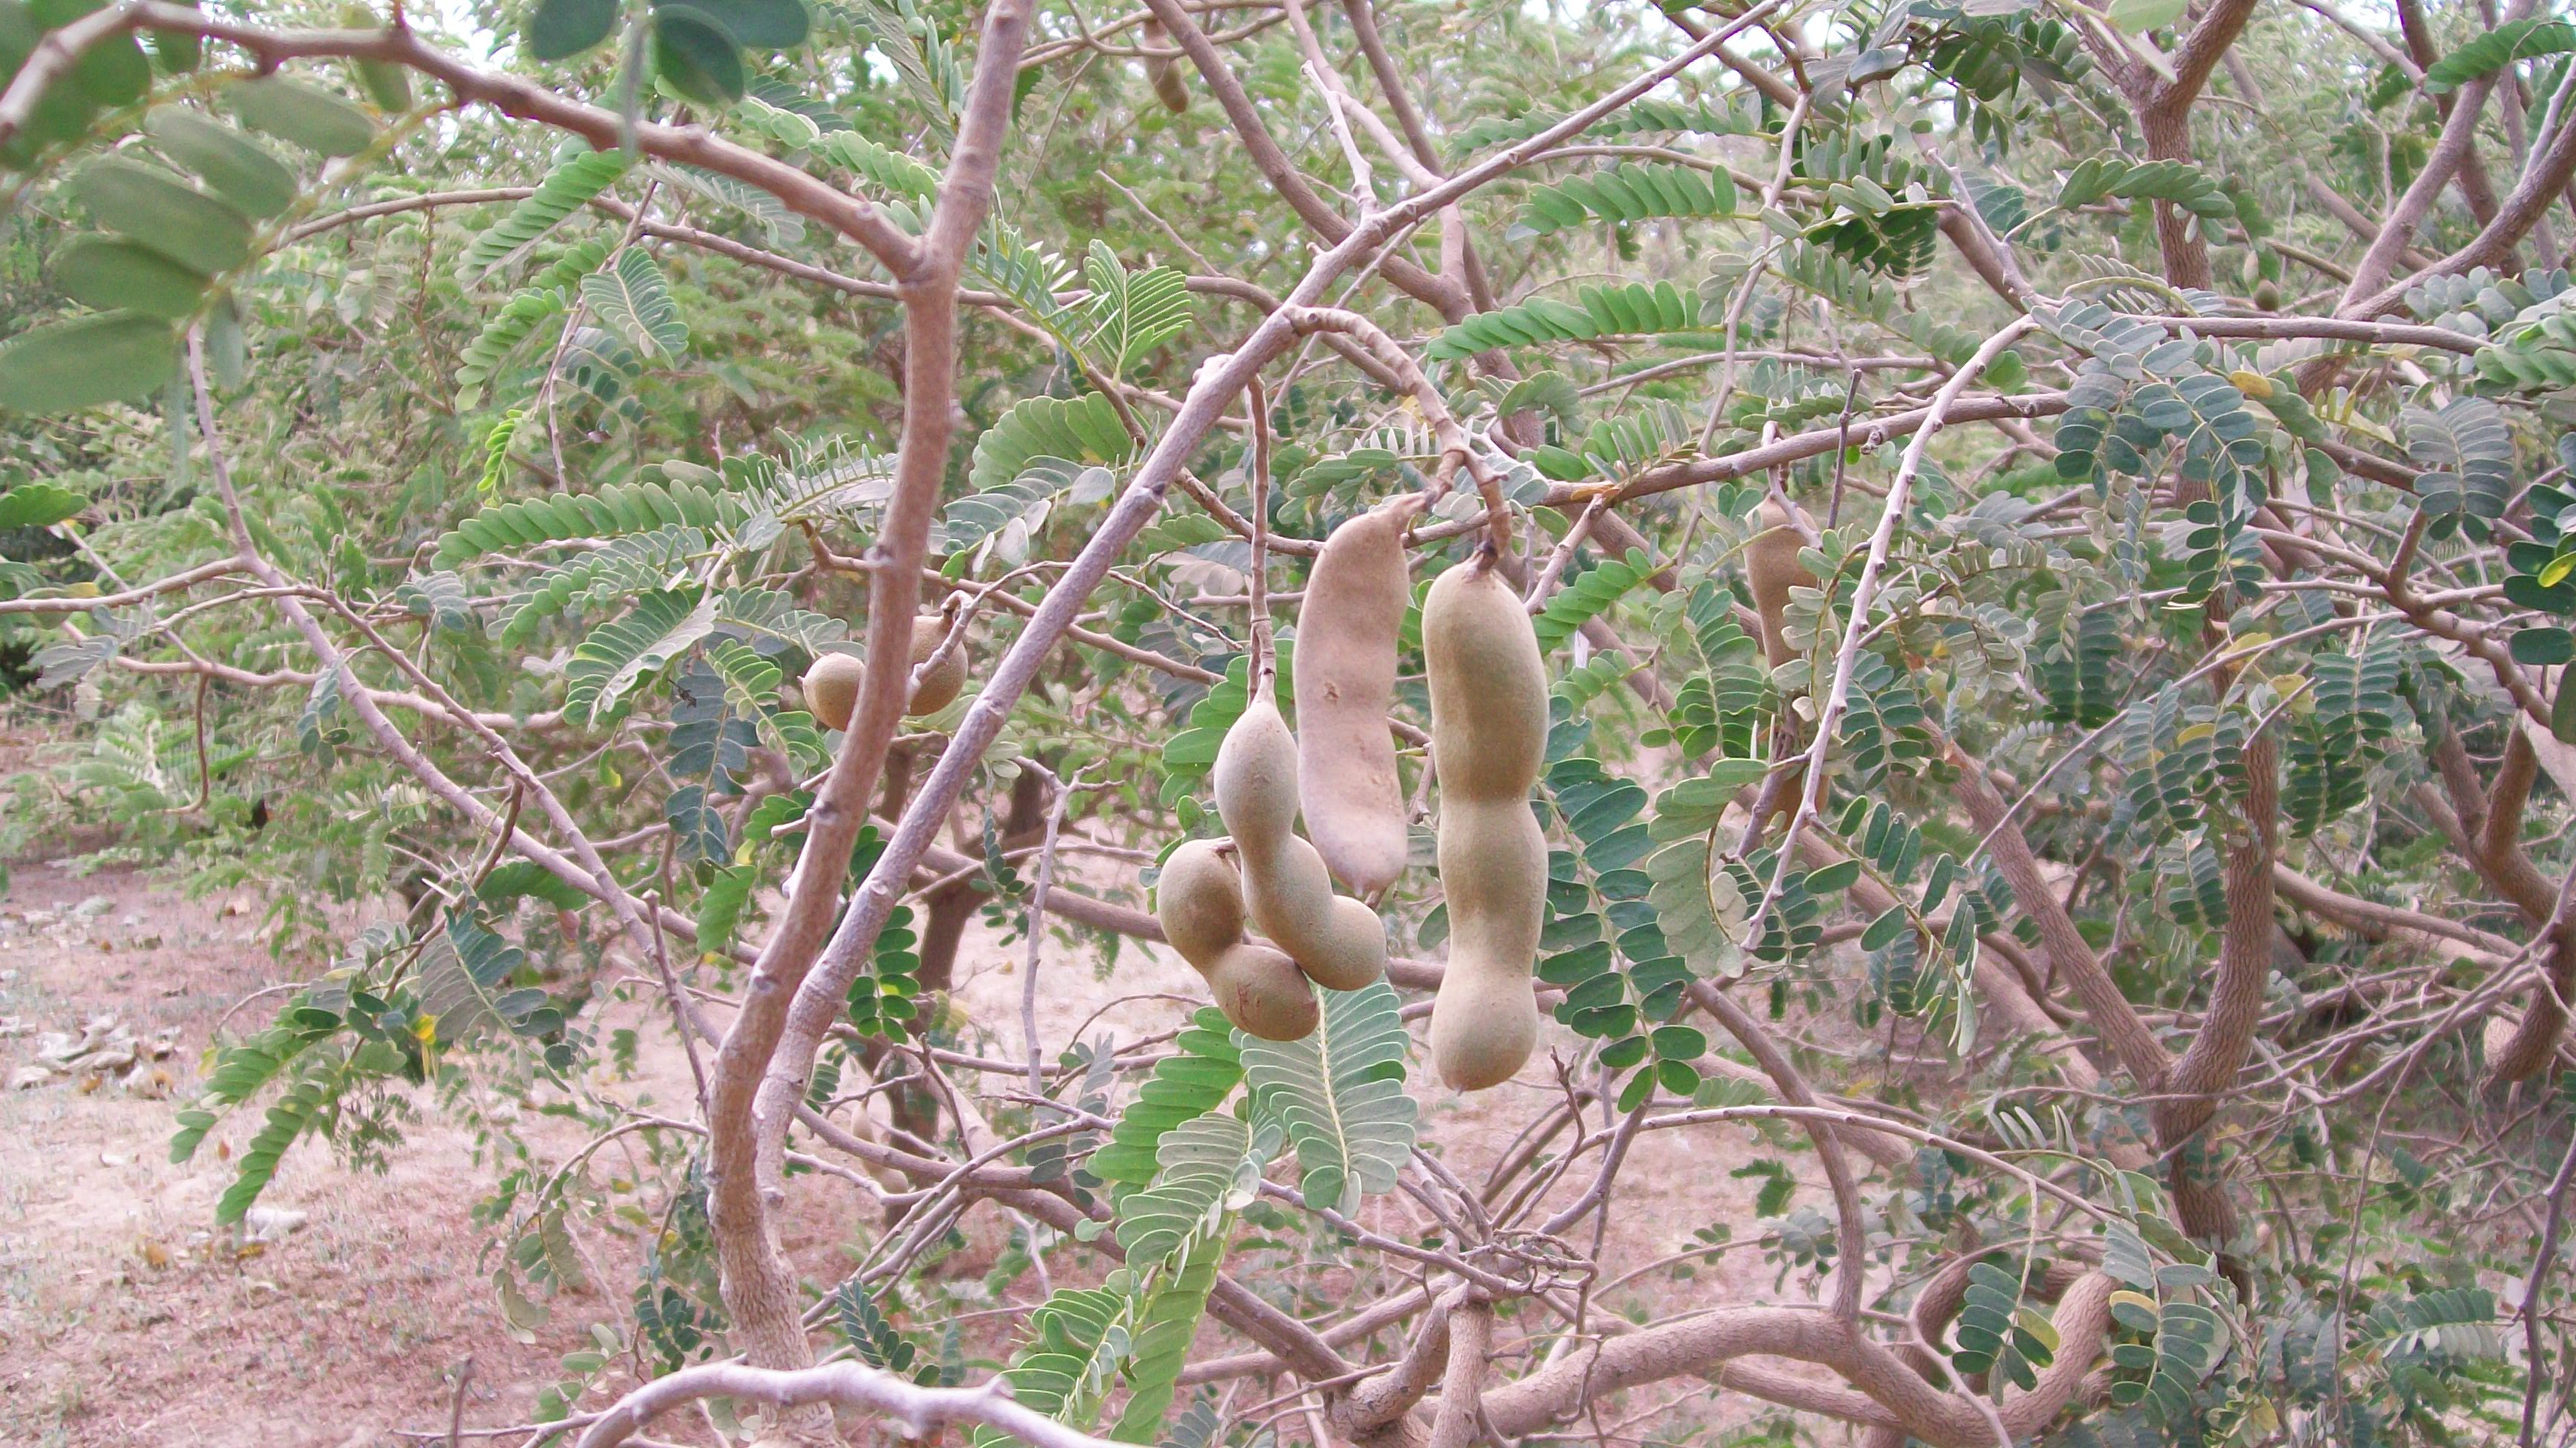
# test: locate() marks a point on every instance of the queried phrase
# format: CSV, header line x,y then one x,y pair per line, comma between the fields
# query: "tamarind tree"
x,y
2044,524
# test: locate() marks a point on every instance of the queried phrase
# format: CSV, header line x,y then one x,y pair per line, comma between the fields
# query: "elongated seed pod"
x,y
832,681
1337,940
1199,901
1771,565
1493,867
1164,70
1488,735
1345,676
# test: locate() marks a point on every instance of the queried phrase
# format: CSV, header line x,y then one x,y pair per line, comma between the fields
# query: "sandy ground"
x,y
126,1318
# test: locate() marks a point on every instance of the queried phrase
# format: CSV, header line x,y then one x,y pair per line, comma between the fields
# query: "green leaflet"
x,y
2498,48
566,189
105,357
164,213
619,657
1081,429
237,168
305,114
631,298
1626,192
626,567
1132,313
1635,310
1203,1070
614,510
109,272
1340,1094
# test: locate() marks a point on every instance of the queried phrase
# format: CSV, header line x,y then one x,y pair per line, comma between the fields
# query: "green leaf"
x,y
39,504
2497,49
109,272
625,568
306,115
1081,429
560,29
387,84
111,72
2138,16
2466,453
630,297
1160,1345
1340,1093
1202,1071
1197,1163
1626,192
762,24
618,658
613,511
2544,646
1635,310
237,168
567,188
464,980
1588,595
1132,313
696,55
110,357
164,213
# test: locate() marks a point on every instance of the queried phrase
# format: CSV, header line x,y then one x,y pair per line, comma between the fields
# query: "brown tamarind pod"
x,y
1338,941
1198,898
1164,70
1345,676
933,691
1264,992
1771,565
832,688
1477,641
1493,868
832,681
1199,901
1488,736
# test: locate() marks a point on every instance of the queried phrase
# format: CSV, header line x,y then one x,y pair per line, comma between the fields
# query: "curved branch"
x,y
801,193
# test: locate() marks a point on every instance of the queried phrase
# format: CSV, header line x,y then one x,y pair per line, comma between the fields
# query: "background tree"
x,y
2118,840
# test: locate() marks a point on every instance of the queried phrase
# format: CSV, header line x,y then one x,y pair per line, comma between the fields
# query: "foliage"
x,y
576,450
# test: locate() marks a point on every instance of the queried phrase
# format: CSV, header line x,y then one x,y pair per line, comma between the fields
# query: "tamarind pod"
x,y
1263,992
831,685
1771,566
832,681
1256,779
934,691
1493,867
1165,71
1345,676
1488,735
1338,941
1199,901
1488,686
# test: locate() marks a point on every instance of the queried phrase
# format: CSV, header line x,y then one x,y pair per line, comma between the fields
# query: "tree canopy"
x,y
2043,525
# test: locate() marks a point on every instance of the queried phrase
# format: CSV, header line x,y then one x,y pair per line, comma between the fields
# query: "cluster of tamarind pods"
x,y
1488,735
1489,723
